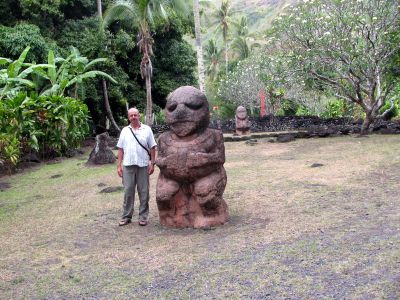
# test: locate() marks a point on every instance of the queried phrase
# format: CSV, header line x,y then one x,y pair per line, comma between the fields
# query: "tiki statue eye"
x,y
194,106
172,107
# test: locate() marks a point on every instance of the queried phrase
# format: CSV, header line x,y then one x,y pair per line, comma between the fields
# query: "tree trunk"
x,y
226,57
149,104
370,117
99,9
104,83
365,126
199,48
76,91
107,106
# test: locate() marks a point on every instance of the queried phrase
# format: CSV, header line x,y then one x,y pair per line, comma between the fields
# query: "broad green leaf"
x,y
23,82
51,91
90,74
4,61
52,71
18,63
95,61
29,70
34,143
41,73
59,59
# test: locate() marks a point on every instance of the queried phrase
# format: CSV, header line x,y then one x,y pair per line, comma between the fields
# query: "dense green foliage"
x,y
58,77
321,57
53,50
48,125
58,25
13,40
169,73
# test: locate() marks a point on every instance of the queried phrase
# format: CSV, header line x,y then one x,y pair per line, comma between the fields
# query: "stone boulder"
x,y
101,153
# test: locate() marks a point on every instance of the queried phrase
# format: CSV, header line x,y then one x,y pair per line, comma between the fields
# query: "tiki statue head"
x,y
187,111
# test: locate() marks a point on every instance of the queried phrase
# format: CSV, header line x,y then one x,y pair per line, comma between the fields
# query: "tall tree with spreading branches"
x,y
344,47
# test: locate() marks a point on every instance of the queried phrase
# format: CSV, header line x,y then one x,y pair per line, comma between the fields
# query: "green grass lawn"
x,y
329,232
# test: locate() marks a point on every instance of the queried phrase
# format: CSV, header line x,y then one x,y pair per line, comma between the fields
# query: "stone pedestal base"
x,y
183,211
242,131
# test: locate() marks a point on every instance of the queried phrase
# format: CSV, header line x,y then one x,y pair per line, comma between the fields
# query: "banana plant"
x,y
14,75
70,72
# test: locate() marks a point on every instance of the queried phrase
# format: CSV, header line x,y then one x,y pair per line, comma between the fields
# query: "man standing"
x,y
136,157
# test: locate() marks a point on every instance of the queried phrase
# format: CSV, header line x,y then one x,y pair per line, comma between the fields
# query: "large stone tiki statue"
x,y
242,121
191,156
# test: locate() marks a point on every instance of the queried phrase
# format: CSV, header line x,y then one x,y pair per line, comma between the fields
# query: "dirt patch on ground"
x,y
295,232
4,186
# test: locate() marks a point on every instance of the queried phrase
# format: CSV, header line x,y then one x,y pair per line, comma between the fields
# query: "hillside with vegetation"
x,y
260,13
315,57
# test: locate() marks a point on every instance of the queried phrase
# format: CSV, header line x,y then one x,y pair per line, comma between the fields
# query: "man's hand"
x,y
120,160
150,168
119,170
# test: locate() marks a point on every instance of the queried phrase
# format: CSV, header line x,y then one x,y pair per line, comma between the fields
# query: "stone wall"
x,y
290,123
294,123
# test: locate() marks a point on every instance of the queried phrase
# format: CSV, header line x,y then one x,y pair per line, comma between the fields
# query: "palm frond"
x,y
121,10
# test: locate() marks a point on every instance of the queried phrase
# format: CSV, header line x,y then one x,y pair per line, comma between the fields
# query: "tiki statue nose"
x,y
180,112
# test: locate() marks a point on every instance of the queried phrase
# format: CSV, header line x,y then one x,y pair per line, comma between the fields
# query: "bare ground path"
x,y
296,231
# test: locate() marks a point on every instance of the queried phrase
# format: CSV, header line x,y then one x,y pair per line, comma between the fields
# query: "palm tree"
x,y
244,42
223,21
242,27
213,58
199,48
103,81
240,44
141,14
241,48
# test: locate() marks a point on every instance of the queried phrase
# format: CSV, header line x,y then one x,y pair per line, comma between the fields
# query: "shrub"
x,y
335,109
13,40
303,111
48,125
9,151
222,110
288,108
159,116
394,112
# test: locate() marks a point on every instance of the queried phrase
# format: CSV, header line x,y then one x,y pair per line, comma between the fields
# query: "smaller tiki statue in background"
x,y
242,121
191,156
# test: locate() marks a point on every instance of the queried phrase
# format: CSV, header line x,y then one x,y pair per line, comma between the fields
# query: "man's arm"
x,y
120,159
152,160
